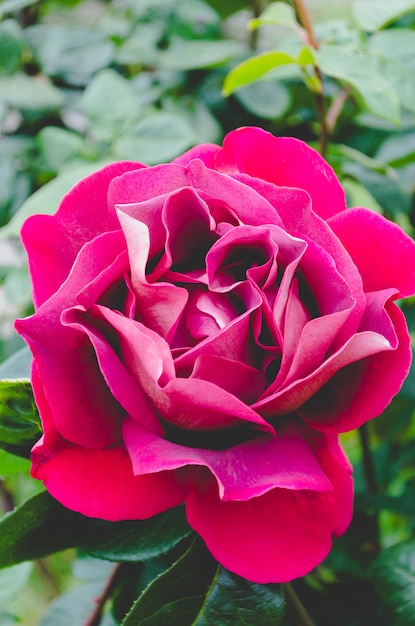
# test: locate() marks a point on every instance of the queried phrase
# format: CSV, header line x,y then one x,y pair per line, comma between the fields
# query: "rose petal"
x,y
383,253
243,471
54,241
282,534
288,162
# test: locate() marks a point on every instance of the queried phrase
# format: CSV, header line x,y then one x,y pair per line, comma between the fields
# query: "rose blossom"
x,y
203,331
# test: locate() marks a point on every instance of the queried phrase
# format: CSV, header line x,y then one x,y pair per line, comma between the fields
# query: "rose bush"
x,y
203,331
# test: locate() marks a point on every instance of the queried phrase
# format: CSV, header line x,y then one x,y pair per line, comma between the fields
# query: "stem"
x,y
371,482
297,608
304,18
258,7
96,615
336,108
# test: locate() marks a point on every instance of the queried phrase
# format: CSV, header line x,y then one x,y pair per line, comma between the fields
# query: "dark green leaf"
x,y
393,574
139,540
10,46
177,595
196,591
234,600
42,526
19,419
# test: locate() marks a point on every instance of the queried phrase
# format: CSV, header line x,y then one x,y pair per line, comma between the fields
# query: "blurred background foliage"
x,y
86,82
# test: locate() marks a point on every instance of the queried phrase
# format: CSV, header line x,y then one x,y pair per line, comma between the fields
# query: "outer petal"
x,y
282,534
283,161
99,483
383,253
53,241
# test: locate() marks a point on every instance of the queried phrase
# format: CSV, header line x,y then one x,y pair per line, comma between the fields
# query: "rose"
x,y
203,331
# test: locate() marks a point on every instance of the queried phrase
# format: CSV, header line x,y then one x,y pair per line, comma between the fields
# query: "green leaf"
x,y
48,198
17,365
255,68
196,591
358,195
110,103
74,52
74,606
57,146
10,46
29,93
19,419
12,580
158,137
373,15
269,100
277,13
10,465
190,55
238,601
393,574
10,6
42,526
359,70
138,540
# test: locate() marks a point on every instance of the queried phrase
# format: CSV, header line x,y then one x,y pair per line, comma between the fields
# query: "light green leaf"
x,y
10,6
10,465
110,103
29,93
17,365
48,197
12,580
269,100
57,146
277,13
359,70
74,52
358,195
254,69
373,15
189,55
157,138
397,44
74,606
393,574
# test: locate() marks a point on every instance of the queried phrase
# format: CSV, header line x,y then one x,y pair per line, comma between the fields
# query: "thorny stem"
x,y
304,18
96,615
296,607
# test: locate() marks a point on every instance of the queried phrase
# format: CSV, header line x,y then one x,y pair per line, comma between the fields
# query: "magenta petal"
x,y
242,472
383,253
100,483
288,162
205,152
371,384
282,534
53,241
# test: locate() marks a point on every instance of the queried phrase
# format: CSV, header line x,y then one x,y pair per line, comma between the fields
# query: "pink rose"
x,y
203,331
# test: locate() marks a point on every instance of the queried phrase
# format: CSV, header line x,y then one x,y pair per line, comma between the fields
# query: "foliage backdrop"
x,y
86,82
